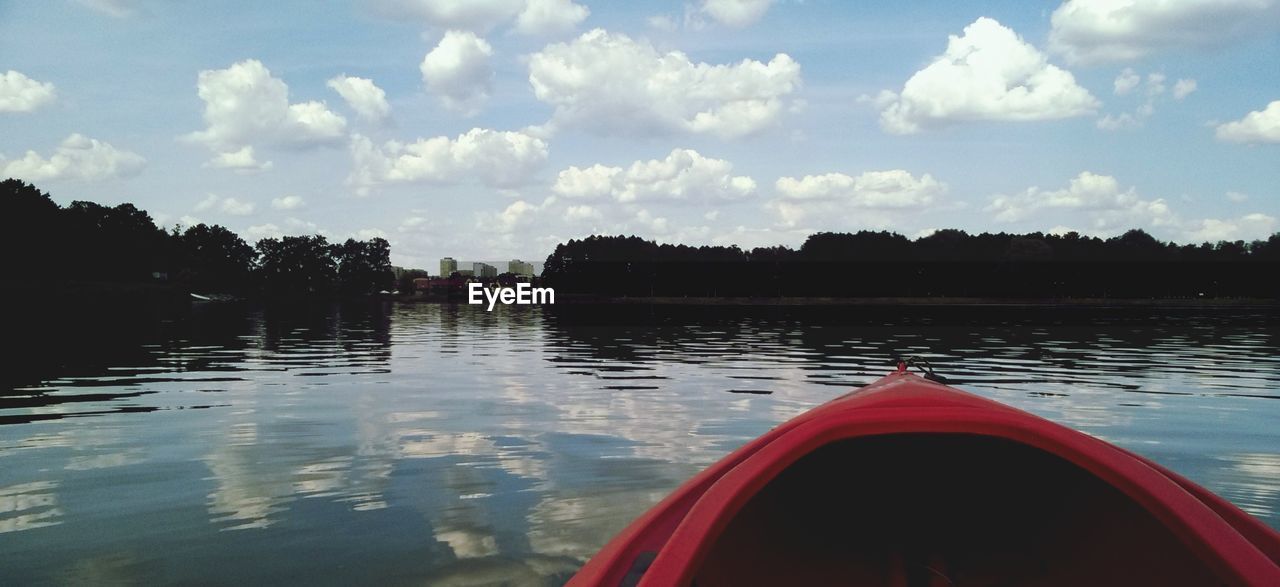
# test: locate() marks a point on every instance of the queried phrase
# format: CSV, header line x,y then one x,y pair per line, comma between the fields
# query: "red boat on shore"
x,y
910,482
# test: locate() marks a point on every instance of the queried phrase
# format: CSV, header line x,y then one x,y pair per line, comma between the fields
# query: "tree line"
x,y
947,263
44,243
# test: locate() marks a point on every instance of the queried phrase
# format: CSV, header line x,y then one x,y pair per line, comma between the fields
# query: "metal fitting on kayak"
x,y
922,365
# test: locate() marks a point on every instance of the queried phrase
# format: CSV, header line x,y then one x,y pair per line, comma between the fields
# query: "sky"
x,y
495,129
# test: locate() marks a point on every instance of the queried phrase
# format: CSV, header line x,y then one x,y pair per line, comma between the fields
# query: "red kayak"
x,y
910,482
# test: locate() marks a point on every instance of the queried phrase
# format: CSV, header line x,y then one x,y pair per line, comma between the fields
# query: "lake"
x,y
402,444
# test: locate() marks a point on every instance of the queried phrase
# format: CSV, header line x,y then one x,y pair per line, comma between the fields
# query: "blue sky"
x,y
494,129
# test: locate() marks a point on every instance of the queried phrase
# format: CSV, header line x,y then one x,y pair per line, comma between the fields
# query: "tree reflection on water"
x,y
448,445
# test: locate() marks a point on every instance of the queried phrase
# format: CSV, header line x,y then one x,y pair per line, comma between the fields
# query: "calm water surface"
x,y
443,445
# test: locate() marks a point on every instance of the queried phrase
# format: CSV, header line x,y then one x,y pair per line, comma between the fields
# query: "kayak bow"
x,y
910,482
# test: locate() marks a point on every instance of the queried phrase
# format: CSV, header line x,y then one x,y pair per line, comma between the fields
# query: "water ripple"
x,y
448,444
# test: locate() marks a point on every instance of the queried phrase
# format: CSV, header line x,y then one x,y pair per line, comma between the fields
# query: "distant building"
x,y
484,270
520,267
466,272
448,266
439,286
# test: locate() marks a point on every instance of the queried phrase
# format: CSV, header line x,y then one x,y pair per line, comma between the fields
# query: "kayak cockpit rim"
x,y
1207,535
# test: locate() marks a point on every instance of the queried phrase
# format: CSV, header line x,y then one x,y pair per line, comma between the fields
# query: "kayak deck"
x,y
944,510
910,482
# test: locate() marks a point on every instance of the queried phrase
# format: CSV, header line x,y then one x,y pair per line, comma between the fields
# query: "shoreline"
x,y
166,294
926,302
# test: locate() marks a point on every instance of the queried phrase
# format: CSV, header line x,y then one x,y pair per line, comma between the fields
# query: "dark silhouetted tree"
x,y
364,266
863,246
119,243
949,263
296,265
214,257
1028,248
32,236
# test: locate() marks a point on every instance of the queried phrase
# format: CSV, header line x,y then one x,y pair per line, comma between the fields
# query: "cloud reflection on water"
x,y
28,506
474,448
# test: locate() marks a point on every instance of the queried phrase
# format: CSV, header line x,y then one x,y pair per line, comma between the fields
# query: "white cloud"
x,y
872,194
245,105
77,158
209,201
240,160
1260,126
652,224
116,8
550,17
596,181
1094,31
260,231
1099,196
1122,121
458,70
1183,88
1248,227
582,213
365,234
608,83
494,158
531,17
988,73
1155,84
472,15
1087,190
367,99
1127,120
894,188
556,214
229,206
19,93
292,227
299,226
683,175
1127,81
235,207
287,203
736,13
411,223
1237,197
748,238
883,99
515,215
1152,213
